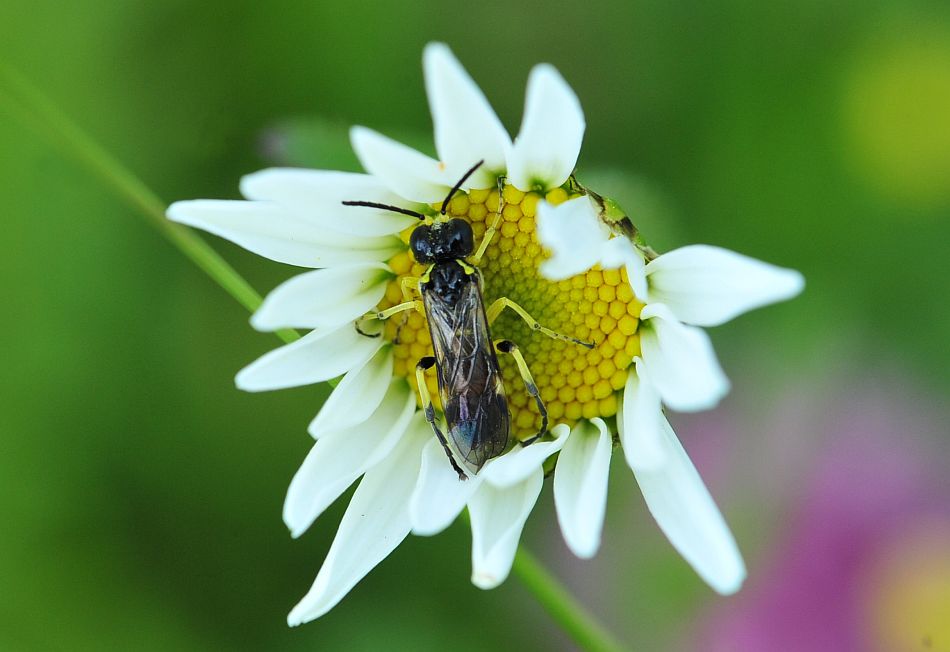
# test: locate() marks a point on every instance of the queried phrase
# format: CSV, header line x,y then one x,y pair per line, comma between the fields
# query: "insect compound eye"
x,y
420,242
459,237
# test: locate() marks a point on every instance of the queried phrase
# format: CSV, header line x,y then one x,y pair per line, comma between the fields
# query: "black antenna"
x,y
455,189
385,207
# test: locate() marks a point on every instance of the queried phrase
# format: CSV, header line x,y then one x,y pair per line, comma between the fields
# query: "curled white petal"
x,y
323,298
578,239
521,461
680,361
619,251
708,286
640,433
340,457
405,171
498,516
580,486
314,358
270,230
684,510
357,396
574,234
466,127
317,196
375,523
545,152
439,496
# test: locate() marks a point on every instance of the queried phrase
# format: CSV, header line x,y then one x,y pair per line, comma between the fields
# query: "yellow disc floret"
x,y
597,307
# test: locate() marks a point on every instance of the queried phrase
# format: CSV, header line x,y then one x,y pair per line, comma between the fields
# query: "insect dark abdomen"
x,y
470,382
477,417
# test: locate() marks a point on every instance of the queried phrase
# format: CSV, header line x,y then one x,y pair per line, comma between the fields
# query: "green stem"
x,y
31,107
571,615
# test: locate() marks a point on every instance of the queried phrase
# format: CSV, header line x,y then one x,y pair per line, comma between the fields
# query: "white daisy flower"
x,y
372,426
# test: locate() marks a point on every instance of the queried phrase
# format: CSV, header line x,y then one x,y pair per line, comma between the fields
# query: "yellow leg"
x,y
509,347
424,364
407,284
395,310
383,315
495,309
490,233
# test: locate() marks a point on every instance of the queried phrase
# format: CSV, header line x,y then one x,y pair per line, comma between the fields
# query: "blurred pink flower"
x,y
863,563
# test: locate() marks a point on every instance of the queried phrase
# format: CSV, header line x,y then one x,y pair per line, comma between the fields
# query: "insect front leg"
x,y
407,285
428,409
493,228
383,315
504,302
509,347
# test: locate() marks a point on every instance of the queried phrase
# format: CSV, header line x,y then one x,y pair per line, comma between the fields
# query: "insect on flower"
x,y
517,231
470,382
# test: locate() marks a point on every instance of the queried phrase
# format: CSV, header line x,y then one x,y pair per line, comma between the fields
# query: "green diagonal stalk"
x,y
34,109
572,616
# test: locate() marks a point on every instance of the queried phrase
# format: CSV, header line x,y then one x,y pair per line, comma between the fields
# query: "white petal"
x,y
636,274
375,523
405,171
578,239
357,396
323,298
680,361
545,152
466,128
684,510
574,234
498,516
439,496
314,358
521,461
317,196
271,231
641,435
338,458
580,486
618,252
708,286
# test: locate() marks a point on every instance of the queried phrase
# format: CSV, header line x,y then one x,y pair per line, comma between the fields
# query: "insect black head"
x,y
419,244
442,241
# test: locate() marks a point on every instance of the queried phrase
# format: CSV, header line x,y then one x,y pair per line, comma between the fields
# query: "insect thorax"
x,y
447,279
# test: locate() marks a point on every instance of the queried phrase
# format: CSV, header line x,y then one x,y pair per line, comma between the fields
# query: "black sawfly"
x,y
470,382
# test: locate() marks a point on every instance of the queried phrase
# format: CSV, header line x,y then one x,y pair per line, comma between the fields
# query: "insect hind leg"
x,y
509,347
504,302
423,365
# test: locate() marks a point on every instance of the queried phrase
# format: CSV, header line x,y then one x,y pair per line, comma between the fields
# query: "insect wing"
x,y
470,383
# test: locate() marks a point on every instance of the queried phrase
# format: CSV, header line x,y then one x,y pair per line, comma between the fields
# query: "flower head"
x,y
593,335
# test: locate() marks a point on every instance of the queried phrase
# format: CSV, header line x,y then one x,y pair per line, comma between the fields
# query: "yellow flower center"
x,y
597,307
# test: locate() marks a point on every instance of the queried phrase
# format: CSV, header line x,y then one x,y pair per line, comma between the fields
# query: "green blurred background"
x,y
141,492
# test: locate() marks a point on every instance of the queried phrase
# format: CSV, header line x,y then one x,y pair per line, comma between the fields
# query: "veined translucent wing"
x,y
470,382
